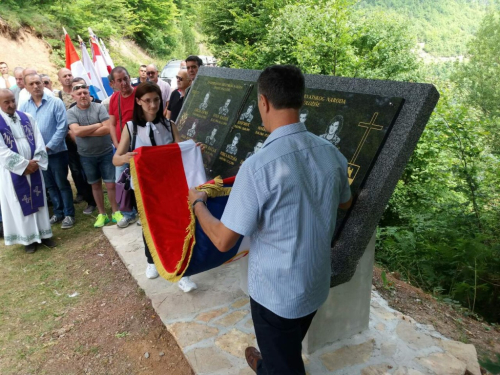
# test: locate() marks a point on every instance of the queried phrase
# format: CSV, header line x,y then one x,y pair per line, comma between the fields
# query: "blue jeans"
x,y
56,181
118,172
98,168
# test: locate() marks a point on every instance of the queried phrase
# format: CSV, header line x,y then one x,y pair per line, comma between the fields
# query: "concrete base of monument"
x,y
213,326
346,312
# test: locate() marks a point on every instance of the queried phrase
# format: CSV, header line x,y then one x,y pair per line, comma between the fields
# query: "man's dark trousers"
x,y
75,166
280,341
56,182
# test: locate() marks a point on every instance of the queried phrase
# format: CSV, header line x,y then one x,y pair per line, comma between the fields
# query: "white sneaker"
x,y
186,284
151,271
123,223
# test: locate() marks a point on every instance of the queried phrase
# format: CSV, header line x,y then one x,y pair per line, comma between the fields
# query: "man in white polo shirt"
x,y
152,73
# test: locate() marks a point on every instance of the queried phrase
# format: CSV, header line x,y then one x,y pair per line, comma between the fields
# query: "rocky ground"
x,y
449,320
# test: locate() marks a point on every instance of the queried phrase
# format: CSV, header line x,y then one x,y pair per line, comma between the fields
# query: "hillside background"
x,y
444,26
440,230
168,29
135,31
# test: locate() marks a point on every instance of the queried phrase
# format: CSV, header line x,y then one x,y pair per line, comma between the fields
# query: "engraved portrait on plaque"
x,y
231,148
256,149
333,129
303,115
192,132
224,110
247,115
210,139
204,104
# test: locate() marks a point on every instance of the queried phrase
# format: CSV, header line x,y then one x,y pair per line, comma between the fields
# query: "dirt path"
x,y
112,332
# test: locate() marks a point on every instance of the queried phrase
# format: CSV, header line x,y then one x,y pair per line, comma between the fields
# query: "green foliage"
x,y
444,26
493,367
386,283
480,74
322,37
162,27
237,21
153,24
440,228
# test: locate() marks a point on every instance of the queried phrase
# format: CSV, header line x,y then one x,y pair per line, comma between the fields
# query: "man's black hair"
x,y
196,59
304,111
118,69
283,86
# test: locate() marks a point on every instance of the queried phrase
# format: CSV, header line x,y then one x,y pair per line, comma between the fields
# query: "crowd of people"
x,y
45,133
289,217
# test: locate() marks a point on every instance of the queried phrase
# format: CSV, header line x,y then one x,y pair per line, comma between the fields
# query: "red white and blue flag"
x,y
100,64
107,57
95,80
162,176
78,69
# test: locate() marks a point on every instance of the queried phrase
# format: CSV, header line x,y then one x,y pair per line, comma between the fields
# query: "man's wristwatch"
x,y
197,201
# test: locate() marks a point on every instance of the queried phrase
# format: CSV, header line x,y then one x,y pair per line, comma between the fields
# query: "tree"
x,y
440,228
480,74
230,25
153,22
327,37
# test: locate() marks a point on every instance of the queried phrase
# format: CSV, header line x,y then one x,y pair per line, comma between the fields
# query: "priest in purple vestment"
x,y
22,189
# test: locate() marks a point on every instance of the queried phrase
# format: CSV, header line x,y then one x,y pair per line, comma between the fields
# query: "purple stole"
x,y
30,197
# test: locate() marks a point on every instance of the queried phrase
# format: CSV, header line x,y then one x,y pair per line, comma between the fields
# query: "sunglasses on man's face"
x,y
179,78
78,87
46,82
151,73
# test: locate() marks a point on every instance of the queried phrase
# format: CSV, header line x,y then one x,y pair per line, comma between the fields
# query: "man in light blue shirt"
x,y
285,198
50,116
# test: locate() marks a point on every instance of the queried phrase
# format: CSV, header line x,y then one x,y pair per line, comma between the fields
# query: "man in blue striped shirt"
x,y
50,116
285,198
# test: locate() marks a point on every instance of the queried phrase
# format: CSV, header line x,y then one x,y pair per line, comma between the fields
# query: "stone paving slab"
x,y
213,326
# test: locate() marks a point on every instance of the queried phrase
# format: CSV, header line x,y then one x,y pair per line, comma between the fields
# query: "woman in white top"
x,y
151,126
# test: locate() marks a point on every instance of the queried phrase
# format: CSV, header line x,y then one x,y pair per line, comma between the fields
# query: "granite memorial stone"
x,y
375,124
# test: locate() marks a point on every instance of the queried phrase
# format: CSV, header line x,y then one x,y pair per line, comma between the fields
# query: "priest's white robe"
x,y
20,229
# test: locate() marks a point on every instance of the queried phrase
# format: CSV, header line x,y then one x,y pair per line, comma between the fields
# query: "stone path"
x,y
213,326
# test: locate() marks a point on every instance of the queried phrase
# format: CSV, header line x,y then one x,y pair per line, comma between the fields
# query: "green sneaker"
x,y
102,220
116,217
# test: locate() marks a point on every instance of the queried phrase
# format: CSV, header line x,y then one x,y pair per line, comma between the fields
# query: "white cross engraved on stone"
x,y
36,191
26,199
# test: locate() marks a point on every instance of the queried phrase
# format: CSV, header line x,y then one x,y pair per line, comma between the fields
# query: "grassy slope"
x,y
43,28
75,309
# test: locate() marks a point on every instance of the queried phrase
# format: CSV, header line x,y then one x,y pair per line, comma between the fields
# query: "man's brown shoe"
x,y
253,356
